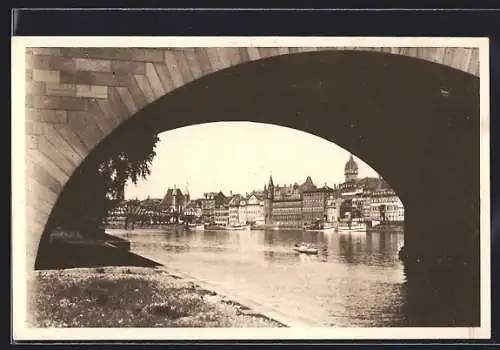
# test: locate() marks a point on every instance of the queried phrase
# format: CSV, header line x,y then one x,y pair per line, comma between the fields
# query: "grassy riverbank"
x,y
130,297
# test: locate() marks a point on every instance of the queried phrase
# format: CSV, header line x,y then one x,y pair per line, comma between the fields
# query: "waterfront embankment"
x,y
85,283
131,297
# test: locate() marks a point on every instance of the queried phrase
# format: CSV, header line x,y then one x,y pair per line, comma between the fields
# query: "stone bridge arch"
x,y
76,97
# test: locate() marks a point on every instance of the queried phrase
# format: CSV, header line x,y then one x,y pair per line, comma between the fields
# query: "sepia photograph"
x,y
250,188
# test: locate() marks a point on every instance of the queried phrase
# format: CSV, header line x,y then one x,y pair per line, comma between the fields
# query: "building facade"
x,y
221,215
255,211
209,202
333,202
314,205
174,200
292,206
287,213
386,206
283,204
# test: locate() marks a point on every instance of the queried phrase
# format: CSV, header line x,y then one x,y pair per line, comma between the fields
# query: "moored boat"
x,y
238,227
197,227
321,227
351,226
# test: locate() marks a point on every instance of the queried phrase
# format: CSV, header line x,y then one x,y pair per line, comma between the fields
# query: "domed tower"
x,y
351,170
268,202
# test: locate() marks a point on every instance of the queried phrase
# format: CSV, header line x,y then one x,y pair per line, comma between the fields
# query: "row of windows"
x,y
287,205
385,199
388,207
313,198
393,214
287,211
313,209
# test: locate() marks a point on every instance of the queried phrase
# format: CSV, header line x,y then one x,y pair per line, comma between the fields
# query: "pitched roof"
x,y
235,200
258,194
168,198
308,185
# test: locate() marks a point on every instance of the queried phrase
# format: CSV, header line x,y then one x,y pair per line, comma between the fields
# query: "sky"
x,y
240,157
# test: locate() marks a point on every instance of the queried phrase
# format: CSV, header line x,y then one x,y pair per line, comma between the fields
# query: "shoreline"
x,y
266,311
128,296
74,262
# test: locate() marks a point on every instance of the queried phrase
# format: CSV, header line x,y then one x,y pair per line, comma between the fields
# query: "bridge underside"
x,y
414,122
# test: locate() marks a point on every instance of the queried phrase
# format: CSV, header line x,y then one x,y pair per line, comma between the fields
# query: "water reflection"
x,y
354,280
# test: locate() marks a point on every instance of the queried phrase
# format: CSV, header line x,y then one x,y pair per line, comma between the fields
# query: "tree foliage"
x,y
96,186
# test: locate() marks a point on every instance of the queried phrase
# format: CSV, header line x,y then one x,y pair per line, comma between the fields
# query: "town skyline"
x,y
239,157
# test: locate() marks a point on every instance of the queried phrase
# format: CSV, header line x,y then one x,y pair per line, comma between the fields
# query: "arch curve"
x,y
79,96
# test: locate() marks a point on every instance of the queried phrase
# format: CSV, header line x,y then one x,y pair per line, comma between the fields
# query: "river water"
x,y
356,280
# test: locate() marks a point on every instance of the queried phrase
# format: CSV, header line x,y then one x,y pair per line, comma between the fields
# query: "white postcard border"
x,y
19,273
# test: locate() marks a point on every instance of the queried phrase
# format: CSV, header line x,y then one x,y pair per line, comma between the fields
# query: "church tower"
x,y
351,170
186,193
270,188
268,201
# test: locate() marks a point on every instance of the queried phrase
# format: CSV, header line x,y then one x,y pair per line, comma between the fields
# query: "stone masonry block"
x,y
117,104
33,197
136,93
183,67
94,91
164,75
50,62
33,128
203,60
32,141
56,155
94,78
46,115
127,99
107,53
34,214
49,76
154,80
59,143
93,65
128,67
145,86
174,69
147,55
86,127
59,102
49,51
29,100
35,87
43,175
57,89
193,64
43,193
105,115
72,138
29,74
39,158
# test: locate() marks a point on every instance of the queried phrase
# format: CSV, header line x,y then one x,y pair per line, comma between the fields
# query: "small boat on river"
x,y
305,248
